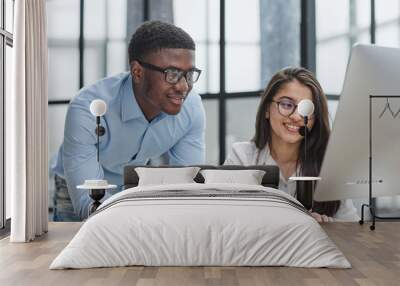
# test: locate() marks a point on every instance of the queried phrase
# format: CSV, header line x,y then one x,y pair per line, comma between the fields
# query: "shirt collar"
x,y
130,109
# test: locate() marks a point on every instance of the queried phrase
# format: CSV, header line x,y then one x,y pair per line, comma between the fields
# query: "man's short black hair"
x,y
153,36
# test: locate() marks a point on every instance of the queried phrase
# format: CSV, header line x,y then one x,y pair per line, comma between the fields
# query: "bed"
x,y
201,224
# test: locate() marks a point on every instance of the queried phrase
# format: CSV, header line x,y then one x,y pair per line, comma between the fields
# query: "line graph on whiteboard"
x,y
391,108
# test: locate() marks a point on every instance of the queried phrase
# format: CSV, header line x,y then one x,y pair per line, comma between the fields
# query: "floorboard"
x,y
374,255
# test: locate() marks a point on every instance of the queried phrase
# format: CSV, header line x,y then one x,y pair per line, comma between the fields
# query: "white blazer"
x,y
246,153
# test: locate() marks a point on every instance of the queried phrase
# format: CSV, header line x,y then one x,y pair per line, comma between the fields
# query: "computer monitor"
x,y
372,70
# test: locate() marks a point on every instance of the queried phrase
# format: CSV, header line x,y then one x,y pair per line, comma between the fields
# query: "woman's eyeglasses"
x,y
286,107
174,75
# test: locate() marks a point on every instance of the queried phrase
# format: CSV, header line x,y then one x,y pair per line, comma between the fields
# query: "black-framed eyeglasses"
x,y
286,107
173,75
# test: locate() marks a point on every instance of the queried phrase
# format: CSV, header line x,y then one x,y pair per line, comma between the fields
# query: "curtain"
x,y
26,123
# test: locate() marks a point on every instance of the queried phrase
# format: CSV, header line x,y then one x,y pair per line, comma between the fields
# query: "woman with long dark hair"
x,y
277,140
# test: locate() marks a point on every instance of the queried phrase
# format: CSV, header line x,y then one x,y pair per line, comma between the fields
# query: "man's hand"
x,y
321,218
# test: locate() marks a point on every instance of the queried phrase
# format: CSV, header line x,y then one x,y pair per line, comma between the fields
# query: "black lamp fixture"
x,y
305,108
97,188
98,108
305,184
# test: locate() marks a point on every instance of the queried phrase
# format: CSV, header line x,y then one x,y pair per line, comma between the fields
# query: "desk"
x,y
374,255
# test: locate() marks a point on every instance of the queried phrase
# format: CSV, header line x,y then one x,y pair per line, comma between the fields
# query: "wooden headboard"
x,y
270,179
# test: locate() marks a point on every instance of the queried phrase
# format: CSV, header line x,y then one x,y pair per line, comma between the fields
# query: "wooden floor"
x,y
374,255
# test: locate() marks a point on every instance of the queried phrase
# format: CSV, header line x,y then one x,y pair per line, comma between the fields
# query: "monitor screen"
x,y
371,71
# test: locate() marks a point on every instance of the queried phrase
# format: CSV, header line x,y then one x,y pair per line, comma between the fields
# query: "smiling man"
x,y
152,112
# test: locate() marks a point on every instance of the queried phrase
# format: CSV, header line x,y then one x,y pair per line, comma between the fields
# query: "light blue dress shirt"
x,y
129,139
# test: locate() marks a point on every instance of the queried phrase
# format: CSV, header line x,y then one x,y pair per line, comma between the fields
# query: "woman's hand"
x,y
321,218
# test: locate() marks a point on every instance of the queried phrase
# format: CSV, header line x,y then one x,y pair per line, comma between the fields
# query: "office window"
x,y
240,119
117,37
243,52
63,36
9,12
63,84
95,44
280,36
268,42
57,114
201,20
339,24
105,34
63,20
212,131
388,23
63,58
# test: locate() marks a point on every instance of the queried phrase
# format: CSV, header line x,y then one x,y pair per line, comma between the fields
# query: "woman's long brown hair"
x,y
318,137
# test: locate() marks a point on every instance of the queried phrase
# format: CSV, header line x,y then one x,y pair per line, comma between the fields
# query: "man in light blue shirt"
x,y
151,111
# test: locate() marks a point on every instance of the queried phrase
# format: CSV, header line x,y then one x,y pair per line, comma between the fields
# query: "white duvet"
x,y
207,230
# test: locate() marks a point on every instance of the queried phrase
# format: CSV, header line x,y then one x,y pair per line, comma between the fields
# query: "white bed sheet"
x,y
200,231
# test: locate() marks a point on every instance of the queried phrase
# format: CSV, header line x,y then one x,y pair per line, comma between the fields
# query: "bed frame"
x,y
270,179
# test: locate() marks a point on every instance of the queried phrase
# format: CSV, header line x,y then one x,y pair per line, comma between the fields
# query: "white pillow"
x,y
166,176
248,177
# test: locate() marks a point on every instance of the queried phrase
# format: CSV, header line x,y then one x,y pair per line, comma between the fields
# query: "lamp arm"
x,y
305,138
100,131
98,137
